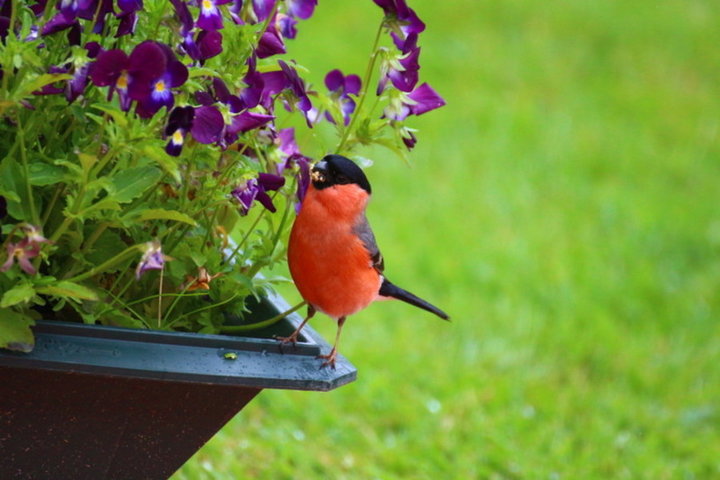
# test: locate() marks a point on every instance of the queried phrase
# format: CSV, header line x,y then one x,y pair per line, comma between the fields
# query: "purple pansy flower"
x,y
400,16
293,158
153,259
241,119
161,94
210,17
95,10
341,88
403,73
422,99
256,189
263,8
208,125
132,76
302,9
296,86
201,45
286,25
184,15
180,122
271,42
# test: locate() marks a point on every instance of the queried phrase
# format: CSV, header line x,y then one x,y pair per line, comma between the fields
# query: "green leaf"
x,y
119,117
18,294
15,332
65,288
129,184
162,214
87,162
45,173
165,161
107,246
41,81
12,187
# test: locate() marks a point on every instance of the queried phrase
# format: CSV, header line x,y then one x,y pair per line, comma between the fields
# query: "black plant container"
x,y
93,402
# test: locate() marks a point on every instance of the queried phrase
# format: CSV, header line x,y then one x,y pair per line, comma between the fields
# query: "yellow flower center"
x,y
177,137
122,81
160,86
207,5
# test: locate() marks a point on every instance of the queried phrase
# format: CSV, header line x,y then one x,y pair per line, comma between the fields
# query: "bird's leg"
x,y
292,338
330,357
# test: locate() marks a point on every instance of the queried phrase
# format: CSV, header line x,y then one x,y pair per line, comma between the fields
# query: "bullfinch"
x,y
332,254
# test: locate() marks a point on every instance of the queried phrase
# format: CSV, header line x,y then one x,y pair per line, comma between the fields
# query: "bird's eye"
x,y
342,179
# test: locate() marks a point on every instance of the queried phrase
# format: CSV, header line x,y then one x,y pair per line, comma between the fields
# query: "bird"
x,y
333,257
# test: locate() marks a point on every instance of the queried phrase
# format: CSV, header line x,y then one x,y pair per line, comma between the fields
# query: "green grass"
x,y
564,208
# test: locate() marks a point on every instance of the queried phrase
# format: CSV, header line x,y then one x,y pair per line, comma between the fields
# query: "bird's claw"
x,y
329,359
289,339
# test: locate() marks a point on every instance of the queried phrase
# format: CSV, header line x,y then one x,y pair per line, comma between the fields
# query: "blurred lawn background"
x,y
564,208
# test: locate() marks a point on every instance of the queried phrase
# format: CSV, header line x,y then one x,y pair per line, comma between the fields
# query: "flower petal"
x,y
334,80
210,44
302,9
107,68
426,99
208,125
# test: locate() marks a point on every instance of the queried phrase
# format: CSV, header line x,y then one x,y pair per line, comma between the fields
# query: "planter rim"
x,y
185,357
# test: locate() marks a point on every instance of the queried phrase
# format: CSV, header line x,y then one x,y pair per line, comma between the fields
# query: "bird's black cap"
x,y
338,170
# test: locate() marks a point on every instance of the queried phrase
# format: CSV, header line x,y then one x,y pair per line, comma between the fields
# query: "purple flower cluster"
x,y
146,76
152,76
402,73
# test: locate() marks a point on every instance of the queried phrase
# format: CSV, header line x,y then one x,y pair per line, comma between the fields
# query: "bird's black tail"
x,y
388,289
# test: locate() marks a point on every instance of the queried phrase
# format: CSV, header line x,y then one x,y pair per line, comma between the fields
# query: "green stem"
x,y
61,229
48,210
95,235
120,257
26,174
364,93
262,324
209,307
245,237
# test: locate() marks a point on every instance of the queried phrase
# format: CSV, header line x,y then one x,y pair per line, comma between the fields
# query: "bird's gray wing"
x,y
364,232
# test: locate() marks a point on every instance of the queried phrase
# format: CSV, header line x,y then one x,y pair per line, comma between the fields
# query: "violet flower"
x,y
153,259
296,86
341,88
271,42
421,100
134,77
210,17
293,158
256,189
161,92
286,25
401,17
180,122
263,8
208,125
241,120
403,73
302,9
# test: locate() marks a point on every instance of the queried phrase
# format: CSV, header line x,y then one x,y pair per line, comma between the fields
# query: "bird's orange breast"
x,y
330,265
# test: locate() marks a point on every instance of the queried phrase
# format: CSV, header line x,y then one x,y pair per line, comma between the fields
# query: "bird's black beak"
x,y
319,171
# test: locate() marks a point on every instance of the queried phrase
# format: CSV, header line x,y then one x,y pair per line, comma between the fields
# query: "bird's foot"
x,y
292,338
329,359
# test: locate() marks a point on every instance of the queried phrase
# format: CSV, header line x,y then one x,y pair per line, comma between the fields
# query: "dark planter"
x,y
93,402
